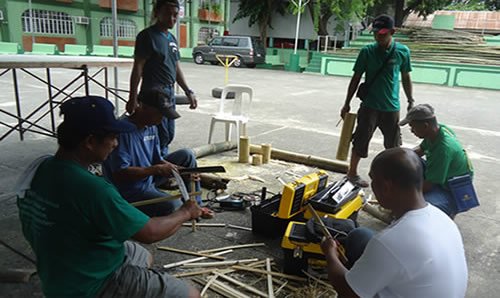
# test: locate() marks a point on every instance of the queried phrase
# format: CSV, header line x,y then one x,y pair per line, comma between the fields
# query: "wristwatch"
x,y
190,91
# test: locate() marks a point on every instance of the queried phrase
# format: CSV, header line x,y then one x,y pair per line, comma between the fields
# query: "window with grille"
x,y
126,28
47,21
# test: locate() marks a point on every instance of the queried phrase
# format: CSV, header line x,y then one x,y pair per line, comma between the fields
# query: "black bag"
x,y
364,87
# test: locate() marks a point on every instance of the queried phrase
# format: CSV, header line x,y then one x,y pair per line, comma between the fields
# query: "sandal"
x,y
207,213
358,181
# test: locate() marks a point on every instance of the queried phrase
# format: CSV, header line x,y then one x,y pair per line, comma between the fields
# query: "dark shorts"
x,y
368,120
134,279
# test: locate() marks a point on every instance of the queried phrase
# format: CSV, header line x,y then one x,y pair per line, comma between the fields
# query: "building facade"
x,y
89,22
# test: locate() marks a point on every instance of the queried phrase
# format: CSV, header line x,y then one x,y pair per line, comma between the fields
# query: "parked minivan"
x,y
249,50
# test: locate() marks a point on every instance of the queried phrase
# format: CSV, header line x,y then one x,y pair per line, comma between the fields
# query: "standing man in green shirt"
x,y
77,223
445,156
381,106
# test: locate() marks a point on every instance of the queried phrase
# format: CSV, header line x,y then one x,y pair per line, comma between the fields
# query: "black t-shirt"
x,y
161,53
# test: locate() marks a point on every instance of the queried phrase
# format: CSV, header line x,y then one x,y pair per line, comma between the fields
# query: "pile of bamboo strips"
x,y
245,277
444,46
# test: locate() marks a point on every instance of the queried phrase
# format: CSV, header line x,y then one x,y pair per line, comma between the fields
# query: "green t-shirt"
x,y
383,94
76,224
445,157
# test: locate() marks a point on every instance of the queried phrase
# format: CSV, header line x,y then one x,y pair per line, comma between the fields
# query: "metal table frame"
x,y
15,63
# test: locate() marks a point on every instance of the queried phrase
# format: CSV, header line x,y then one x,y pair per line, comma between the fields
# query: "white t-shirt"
x,y
419,255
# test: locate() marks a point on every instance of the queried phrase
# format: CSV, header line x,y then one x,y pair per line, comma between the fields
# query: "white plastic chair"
x,y
239,114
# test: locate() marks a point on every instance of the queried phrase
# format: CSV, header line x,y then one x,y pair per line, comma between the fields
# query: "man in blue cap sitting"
x,y
77,223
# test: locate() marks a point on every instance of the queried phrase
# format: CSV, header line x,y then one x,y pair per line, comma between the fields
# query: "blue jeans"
x,y
166,129
355,244
442,199
158,209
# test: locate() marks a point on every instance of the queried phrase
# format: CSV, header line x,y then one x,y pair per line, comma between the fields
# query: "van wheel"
x,y
198,59
251,65
237,62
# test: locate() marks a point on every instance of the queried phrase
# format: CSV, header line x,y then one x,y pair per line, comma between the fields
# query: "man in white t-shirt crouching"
x,y
420,254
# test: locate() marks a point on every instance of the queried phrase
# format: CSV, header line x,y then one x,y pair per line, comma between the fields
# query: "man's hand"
x,y
329,246
345,109
131,103
165,168
410,104
191,207
193,103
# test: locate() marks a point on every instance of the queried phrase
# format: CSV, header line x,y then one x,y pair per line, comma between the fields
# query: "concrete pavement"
x,y
295,112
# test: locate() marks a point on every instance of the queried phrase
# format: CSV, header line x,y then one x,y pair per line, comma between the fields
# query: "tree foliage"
x,y
260,12
474,5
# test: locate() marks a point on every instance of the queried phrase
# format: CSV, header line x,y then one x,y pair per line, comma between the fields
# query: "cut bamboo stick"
x,y
210,281
211,225
286,284
329,286
217,264
176,264
231,247
239,227
243,285
187,252
270,289
247,268
193,273
221,288
163,199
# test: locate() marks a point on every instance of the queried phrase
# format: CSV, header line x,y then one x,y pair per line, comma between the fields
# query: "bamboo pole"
x,y
231,247
159,200
346,136
171,265
210,225
187,252
320,162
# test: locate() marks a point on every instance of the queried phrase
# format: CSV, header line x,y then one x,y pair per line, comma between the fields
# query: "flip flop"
x,y
358,181
207,213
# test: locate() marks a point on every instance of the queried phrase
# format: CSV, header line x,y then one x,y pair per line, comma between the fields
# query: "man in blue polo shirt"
x,y
156,63
380,108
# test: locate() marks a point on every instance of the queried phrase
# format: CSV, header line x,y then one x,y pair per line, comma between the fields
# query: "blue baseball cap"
x,y
93,114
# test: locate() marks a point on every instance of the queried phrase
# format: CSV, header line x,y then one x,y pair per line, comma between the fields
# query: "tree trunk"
x,y
399,12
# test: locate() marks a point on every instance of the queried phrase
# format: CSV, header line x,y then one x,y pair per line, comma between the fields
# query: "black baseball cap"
x,y
160,3
383,24
93,114
418,113
160,99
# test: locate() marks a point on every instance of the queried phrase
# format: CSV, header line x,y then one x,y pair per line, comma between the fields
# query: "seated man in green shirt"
x,y
445,156
77,223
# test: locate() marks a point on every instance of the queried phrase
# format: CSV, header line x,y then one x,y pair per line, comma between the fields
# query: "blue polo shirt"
x,y
161,53
384,91
139,148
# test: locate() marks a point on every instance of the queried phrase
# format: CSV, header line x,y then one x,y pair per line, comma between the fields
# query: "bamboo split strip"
x,y
212,225
270,289
329,286
195,259
222,289
247,268
192,273
280,288
159,200
216,264
210,281
227,271
239,227
187,252
243,285
232,247
286,284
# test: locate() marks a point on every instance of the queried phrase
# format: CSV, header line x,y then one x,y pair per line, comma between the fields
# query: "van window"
x,y
243,42
216,42
230,42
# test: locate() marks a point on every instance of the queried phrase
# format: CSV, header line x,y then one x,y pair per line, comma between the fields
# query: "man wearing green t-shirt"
x,y
381,62
445,156
77,223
